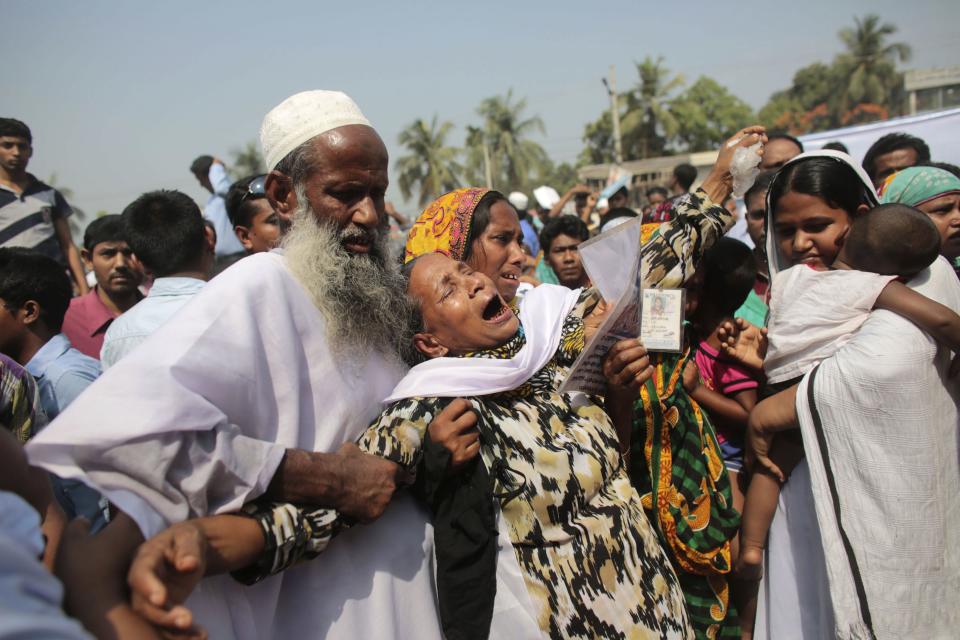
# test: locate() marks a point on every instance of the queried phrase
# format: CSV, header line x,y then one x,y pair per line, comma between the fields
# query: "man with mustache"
x,y
254,386
118,274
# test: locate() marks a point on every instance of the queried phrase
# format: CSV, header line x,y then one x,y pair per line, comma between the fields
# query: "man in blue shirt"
x,y
165,231
212,176
34,296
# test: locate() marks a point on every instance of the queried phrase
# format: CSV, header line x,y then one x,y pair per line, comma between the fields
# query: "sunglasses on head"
x,y
255,188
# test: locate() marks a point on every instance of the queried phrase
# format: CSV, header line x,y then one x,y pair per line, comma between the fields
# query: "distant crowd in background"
x,y
234,388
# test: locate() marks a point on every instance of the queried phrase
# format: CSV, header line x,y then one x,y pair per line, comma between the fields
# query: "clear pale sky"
x,y
121,96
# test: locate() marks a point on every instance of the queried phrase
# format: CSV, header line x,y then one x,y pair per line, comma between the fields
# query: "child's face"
x,y
694,287
462,309
263,234
808,230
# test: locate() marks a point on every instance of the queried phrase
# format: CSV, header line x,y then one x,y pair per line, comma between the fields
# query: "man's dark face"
x,y
756,217
563,256
11,329
15,154
117,271
777,152
619,199
889,163
348,183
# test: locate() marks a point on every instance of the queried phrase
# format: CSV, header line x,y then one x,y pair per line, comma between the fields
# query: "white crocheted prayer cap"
x,y
519,200
303,116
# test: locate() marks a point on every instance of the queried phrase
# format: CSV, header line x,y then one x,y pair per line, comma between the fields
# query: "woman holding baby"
x,y
863,542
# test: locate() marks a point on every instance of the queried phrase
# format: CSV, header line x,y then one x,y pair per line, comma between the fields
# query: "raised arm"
x,y
571,192
671,256
931,316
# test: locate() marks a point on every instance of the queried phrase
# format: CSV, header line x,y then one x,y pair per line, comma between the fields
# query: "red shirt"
x,y
86,323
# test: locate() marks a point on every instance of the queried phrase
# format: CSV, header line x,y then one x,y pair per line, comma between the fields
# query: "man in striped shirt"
x,y
33,214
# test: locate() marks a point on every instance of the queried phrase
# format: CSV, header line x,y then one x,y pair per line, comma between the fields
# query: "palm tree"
x,y
511,157
431,166
868,69
648,124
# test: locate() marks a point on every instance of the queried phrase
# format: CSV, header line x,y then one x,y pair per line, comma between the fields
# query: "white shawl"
x,y
542,315
195,422
879,423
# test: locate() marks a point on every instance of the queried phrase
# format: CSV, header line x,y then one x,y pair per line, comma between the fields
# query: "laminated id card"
x,y
661,319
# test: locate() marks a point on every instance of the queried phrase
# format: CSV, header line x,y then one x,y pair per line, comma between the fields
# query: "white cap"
x,y
519,200
303,116
546,196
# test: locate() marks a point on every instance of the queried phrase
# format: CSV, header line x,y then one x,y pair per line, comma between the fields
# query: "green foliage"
x,y
431,166
561,177
514,159
247,161
861,84
707,114
869,66
598,141
648,123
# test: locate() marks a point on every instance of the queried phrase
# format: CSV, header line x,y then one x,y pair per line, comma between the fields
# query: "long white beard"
x,y
362,296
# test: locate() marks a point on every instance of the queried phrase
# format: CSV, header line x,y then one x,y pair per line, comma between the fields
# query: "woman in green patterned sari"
x,y
684,488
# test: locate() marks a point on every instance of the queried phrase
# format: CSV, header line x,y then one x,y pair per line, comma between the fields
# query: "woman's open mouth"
x,y
496,311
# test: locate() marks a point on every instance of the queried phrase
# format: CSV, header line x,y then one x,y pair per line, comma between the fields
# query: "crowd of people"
x,y
294,413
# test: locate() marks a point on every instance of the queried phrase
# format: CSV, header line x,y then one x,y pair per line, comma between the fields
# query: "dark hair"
x,y
685,175
894,142
836,145
165,231
563,225
12,128
892,239
730,272
619,212
481,219
107,228
27,275
946,166
662,191
414,314
760,186
238,200
783,135
201,165
834,182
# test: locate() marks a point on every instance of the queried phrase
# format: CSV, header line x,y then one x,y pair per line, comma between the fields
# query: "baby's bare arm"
x,y
931,316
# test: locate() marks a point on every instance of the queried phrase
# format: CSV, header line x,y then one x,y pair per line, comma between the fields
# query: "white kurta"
x,y
195,422
890,428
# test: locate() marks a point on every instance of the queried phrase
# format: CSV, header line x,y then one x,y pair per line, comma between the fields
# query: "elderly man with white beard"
x,y
283,355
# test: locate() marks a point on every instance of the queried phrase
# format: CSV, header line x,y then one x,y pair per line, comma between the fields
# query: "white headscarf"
x,y
870,198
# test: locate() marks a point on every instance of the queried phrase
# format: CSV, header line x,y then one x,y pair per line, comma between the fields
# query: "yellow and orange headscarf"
x,y
444,225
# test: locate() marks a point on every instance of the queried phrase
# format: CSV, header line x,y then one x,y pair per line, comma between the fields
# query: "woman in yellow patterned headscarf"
x,y
477,226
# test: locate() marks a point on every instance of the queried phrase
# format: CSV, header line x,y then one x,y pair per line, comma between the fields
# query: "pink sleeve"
x,y
734,379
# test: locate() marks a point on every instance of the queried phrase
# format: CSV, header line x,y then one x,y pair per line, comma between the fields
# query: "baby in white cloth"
x,y
813,314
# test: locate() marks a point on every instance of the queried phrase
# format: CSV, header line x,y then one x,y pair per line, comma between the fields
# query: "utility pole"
x,y
615,114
